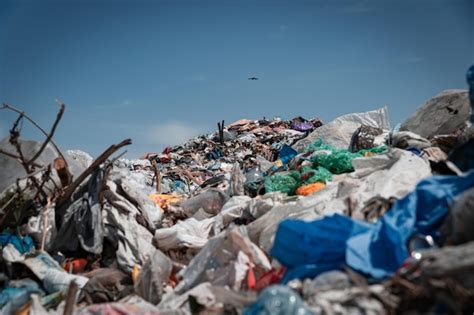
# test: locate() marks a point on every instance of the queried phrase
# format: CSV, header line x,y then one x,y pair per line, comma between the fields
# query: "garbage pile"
x,y
260,217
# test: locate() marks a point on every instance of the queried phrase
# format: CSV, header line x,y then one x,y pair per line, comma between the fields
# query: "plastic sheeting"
x,y
309,248
134,240
232,210
36,227
208,297
135,190
81,226
22,244
440,115
16,294
211,201
54,277
128,305
220,261
189,233
391,174
153,274
422,211
338,132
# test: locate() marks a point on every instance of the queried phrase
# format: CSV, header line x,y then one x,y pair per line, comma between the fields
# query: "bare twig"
x,y
6,205
44,178
71,298
50,135
157,176
41,169
9,107
14,136
101,159
117,157
16,157
45,223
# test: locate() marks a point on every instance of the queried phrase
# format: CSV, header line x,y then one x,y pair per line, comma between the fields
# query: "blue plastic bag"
x,y
22,244
309,248
286,154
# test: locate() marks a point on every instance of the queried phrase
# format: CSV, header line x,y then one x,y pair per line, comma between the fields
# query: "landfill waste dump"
x,y
261,217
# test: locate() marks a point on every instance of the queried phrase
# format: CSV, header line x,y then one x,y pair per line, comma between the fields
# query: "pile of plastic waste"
x,y
260,217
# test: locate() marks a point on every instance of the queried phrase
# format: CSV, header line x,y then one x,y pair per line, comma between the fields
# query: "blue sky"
x,y
162,71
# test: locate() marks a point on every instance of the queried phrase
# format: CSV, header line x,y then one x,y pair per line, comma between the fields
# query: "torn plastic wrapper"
x,y
16,294
190,233
134,240
36,225
106,285
153,276
216,261
206,296
81,222
233,209
54,278
129,305
210,200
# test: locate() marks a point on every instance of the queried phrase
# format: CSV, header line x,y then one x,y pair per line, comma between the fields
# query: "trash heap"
x,y
260,217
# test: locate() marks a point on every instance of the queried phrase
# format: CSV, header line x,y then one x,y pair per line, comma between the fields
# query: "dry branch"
x,y
101,159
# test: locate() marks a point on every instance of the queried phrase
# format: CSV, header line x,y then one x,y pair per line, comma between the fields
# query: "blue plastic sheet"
x,y
22,244
286,154
17,294
309,248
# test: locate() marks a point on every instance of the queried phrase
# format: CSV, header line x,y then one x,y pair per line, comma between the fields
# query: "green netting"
x,y
286,183
318,145
339,160
336,161
321,175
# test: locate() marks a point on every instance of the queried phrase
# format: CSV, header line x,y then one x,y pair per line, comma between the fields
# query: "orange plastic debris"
x,y
75,265
306,190
135,273
164,200
251,278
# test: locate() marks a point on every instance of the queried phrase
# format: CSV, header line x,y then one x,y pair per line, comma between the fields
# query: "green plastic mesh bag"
x,y
321,175
285,183
339,160
318,145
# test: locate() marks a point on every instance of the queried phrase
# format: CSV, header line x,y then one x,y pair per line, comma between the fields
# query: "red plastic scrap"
x,y
77,265
251,282
271,277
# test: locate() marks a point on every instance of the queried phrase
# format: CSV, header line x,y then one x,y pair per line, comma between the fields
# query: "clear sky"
x,y
160,72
